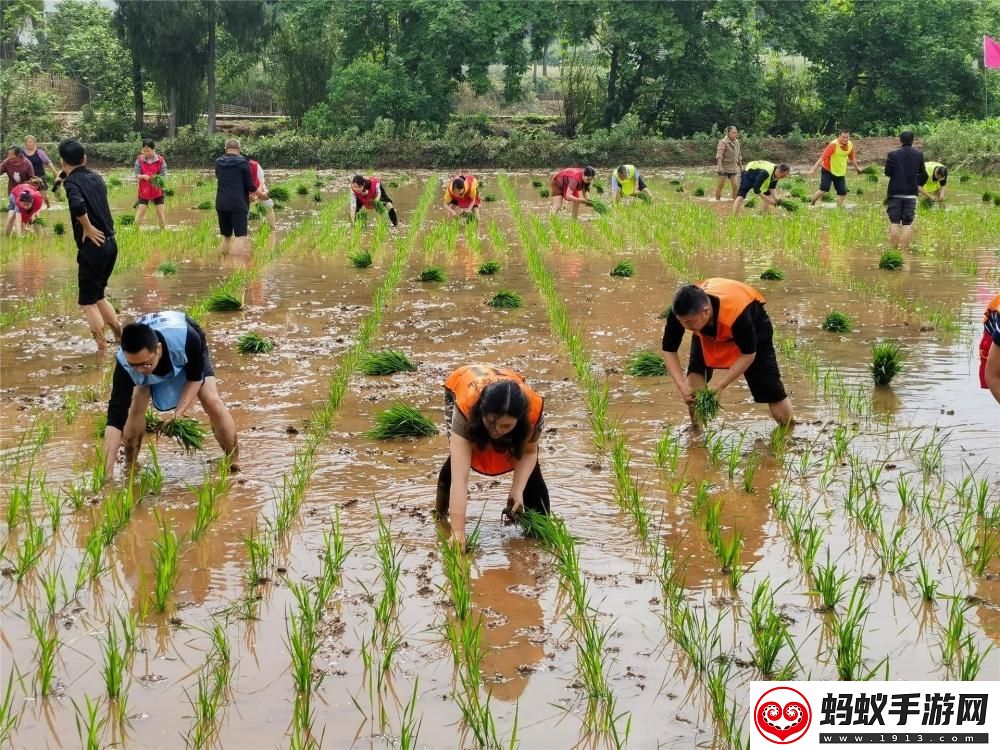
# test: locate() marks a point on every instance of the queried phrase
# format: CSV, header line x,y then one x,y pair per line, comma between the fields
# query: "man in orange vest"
x,y
494,422
732,332
462,195
989,349
832,164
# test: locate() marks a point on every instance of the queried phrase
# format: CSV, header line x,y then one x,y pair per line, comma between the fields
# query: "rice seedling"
x,y
699,192
260,554
301,189
47,639
925,583
667,450
926,203
126,220
115,662
205,206
829,584
837,322
887,361
987,196
873,178
645,364
790,206
767,629
432,273
386,362
971,658
505,299
625,269
51,583
773,274
167,268
543,193
749,469
489,268
317,197
9,718
29,552
751,202
870,169
410,728
706,406
996,199
282,193
59,229
253,343
848,636
890,260
165,565
187,432
954,631
599,206
90,727
361,259
258,212
536,183
401,420
891,553
221,300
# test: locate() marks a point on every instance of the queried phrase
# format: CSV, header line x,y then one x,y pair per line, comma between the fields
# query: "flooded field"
x,y
307,600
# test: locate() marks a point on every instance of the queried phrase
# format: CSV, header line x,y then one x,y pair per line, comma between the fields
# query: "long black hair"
x,y
502,398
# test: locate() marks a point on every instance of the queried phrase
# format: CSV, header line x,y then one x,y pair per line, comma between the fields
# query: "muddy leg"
x,y
442,500
110,317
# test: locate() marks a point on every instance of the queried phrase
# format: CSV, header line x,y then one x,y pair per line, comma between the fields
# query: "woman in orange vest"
x,y
833,165
573,185
494,421
989,349
462,195
732,332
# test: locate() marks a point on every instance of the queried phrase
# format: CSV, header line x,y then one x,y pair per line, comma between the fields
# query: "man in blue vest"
x,y
164,359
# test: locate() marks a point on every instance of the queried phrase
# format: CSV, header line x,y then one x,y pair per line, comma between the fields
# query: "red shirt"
x,y
18,172
568,181
27,215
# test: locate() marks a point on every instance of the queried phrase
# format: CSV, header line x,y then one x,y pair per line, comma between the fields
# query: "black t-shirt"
x,y
750,327
87,194
233,183
122,384
906,170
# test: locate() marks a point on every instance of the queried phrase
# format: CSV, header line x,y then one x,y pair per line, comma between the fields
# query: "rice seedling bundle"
x,y
751,202
873,178
887,361
489,268
167,268
505,299
489,198
544,192
126,220
987,196
401,420
646,365
680,189
432,273
625,269
773,274
281,193
859,191
205,206
169,192
706,405
39,221
599,206
387,362
964,178
926,202
790,206
536,183
890,260
188,433
223,301
870,169
59,229
258,212
996,199
647,198
675,181
380,207
302,189
254,343
599,187
361,259
699,191
317,197
158,182
837,322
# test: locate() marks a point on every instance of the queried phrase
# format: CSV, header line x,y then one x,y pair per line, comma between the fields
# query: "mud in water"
x,y
933,427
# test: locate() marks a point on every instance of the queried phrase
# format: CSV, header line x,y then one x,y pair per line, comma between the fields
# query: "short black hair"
x,y
25,197
943,171
18,151
845,130
148,143
690,299
137,337
906,137
458,184
72,152
782,168
589,172
359,180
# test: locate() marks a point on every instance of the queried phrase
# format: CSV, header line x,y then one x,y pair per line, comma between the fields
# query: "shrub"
x,y
837,322
401,420
505,299
387,362
890,260
625,269
887,361
254,343
645,364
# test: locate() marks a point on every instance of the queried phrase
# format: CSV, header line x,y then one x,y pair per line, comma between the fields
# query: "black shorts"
x,y
95,265
232,223
763,375
746,185
154,201
901,210
828,178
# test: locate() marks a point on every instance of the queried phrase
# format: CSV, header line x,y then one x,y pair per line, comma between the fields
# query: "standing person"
x,y
17,167
732,332
494,422
760,176
573,185
234,184
626,181
94,233
989,349
937,178
261,195
461,195
832,164
22,207
39,161
906,171
365,191
163,358
149,164
728,161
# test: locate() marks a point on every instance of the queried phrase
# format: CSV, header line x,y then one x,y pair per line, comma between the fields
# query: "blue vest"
x,y
166,389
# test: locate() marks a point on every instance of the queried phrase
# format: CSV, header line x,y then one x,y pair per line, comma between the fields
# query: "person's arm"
x,y
460,451
720,152
993,370
163,168
522,470
137,169
248,183
673,334
117,415
827,153
853,156
78,210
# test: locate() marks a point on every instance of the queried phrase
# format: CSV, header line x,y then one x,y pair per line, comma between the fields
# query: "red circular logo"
x,y
782,715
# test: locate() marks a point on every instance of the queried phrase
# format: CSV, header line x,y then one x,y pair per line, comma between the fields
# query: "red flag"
x,y
991,52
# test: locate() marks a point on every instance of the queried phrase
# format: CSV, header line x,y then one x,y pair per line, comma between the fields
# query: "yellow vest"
x,y
931,185
838,160
628,185
767,166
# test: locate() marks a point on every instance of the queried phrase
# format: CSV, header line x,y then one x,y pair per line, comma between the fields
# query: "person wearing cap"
x,y
234,185
937,178
22,206
17,167
626,181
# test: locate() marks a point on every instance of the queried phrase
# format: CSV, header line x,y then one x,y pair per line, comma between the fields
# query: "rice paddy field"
x,y
308,600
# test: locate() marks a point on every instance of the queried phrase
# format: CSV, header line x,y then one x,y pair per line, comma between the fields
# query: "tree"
x,y
248,25
303,50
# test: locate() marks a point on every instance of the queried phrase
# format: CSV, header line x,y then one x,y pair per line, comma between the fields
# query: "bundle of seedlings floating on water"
x,y
253,343
599,206
361,258
317,197
167,267
773,274
489,268
222,300
890,260
188,433
646,365
706,405
432,273
536,183
126,220
58,229
544,192
114,182
505,299
887,361
699,191
401,420
387,362
837,322
302,189
873,178
205,206
625,269
489,198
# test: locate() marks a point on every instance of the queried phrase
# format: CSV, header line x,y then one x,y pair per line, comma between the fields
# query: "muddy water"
x,y
311,303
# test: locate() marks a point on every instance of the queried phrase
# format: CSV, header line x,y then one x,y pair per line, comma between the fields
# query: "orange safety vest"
x,y
720,351
466,384
467,199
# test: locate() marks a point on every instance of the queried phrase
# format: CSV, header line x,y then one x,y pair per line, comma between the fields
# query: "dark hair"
x,y
360,180
148,143
503,398
72,152
458,184
782,168
25,197
690,299
943,171
845,130
589,172
18,151
137,337
906,137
